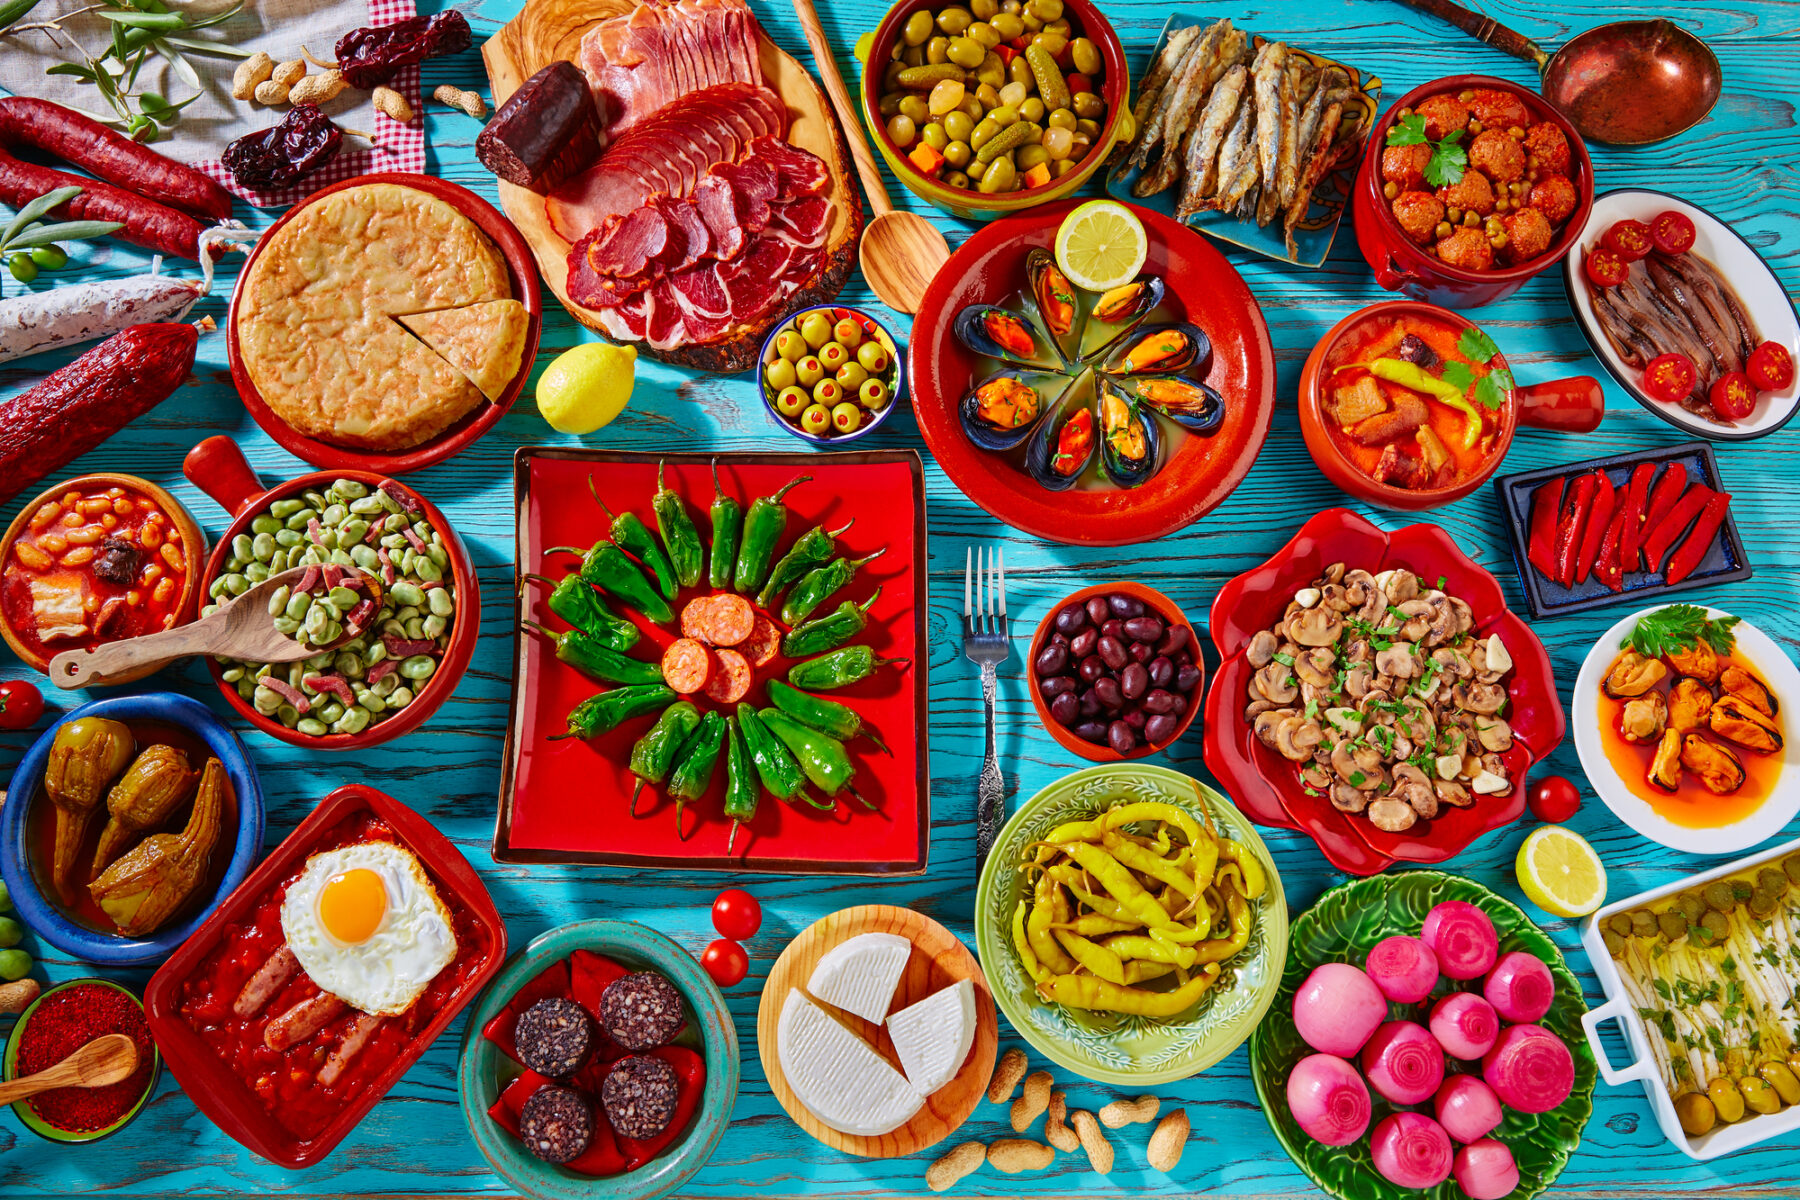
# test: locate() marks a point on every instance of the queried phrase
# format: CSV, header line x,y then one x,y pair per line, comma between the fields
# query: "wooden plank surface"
x,y
1740,164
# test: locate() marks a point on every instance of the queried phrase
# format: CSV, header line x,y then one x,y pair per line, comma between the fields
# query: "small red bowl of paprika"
x,y
61,1021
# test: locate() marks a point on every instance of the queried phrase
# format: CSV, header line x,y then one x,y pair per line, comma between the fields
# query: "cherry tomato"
x,y
1554,799
736,914
21,704
1733,397
726,962
1629,239
1771,367
1606,267
1670,378
1672,232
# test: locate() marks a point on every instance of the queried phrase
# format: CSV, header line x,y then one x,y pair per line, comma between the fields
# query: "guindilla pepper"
x,y
827,716
819,585
763,526
594,660
679,536
830,631
741,787
813,548
606,567
604,712
779,773
694,764
634,537
576,602
727,528
820,755
840,668
654,753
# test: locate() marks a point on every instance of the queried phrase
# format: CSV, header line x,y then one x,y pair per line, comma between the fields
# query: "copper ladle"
x,y
1628,83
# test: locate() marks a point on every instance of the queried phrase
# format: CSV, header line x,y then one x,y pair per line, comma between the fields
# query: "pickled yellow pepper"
x,y
1086,991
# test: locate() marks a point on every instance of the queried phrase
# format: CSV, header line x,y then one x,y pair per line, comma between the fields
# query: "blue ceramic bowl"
x,y
896,367
38,905
484,1071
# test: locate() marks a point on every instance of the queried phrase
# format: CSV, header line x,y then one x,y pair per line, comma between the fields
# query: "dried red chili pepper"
x,y
1569,528
1658,540
1606,498
371,56
284,154
1637,496
1540,548
1693,551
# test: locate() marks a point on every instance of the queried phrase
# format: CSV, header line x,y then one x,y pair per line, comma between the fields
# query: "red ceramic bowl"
x,y
1573,405
208,1079
1203,288
1265,785
217,467
1158,604
522,270
1401,265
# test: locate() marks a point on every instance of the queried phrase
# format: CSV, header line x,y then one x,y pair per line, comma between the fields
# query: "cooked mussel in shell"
x,y
1127,302
1130,444
1062,447
1005,334
999,412
1058,304
1717,768
1162,349
1632,674
1733,718
1192,405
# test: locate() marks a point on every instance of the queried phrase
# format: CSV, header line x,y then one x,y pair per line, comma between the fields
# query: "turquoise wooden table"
x,y
1739,164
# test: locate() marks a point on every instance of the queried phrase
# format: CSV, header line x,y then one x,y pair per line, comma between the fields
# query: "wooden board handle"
x,y
846,109
103,663
1505,40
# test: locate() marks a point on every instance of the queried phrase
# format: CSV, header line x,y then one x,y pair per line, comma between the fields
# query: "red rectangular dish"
x,y
288,1117
568,801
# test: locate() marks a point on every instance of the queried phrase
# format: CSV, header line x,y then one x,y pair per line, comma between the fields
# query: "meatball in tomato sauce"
x,y
1528,234
1555,197
1472,193
1496,109
1444,114
1419,214
1467,248
1547,149
1404,166
1498,155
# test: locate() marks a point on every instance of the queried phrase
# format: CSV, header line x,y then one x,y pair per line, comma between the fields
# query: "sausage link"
x,y
362,1027
302,1021
33,322
269,979
131,166
148,224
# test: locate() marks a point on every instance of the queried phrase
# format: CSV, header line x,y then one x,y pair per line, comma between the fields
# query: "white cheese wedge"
x,y
860,975
837,1075
933,1036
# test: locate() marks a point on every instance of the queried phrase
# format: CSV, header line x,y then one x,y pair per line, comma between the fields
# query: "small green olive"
x,y
957,153
1030,156
902,130
1061,118
1090,128
937,50
1055,43
1032,24
914,56
1008,24
51,257
1045,10
954,19
918,28
933,135
1000,176
1004,115
21,266
1061,167
1032,109
916,107
957,179
1019,71
1085,56
973,108
992,70
890,76
890,104
1088,105
984,9
983,133
989,96
1015,7
966,52
984,33
958,125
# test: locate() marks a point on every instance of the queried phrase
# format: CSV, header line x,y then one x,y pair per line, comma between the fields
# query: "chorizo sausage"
x,y
687,666
730,620
302,1021
763,643
269,979
362,1027
731,681
131,166
148,224
693,618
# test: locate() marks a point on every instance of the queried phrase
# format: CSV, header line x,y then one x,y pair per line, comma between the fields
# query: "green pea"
x,y
917,29
958,153
902,131
1008,25
916,109
1062,118
1032,110
954,19
966,52
418,666
1088,105
937,50
1085,56
443,604
984,10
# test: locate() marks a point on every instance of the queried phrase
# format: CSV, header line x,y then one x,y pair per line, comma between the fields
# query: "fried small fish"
x,y
1274,120
1152,132
1191,90
1202,155
1237,161
1173,51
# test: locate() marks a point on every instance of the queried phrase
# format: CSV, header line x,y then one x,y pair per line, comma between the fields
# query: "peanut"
x,y
468,102
289,73
1032,1102
948,1170
270,92
317,89
1129,1112
1013,1155
250,72
1057,1133
1007,1073
1167,1143
1099,1150
18,995
392,103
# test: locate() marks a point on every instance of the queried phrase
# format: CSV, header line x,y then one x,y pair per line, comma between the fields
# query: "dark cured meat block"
x,y
545,132
718,207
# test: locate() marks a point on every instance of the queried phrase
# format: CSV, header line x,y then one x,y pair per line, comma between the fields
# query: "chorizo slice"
x,y
763,643
694,618
302,1021
270,978
731,682
687,666
730,620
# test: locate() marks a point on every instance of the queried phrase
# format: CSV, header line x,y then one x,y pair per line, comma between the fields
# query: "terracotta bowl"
x,y
193,543
1402,265
521,270
1157,603
217,467
1573,405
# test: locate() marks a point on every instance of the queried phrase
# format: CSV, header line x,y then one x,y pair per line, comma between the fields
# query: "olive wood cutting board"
x,y
938,961
548,30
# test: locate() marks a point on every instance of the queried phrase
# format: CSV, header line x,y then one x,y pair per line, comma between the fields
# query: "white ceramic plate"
x,y
1762,294
1585,717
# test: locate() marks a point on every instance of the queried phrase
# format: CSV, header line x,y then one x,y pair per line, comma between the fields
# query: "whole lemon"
x,y
586,387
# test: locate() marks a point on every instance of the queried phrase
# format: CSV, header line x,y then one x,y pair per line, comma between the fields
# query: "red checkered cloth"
x,y
397,147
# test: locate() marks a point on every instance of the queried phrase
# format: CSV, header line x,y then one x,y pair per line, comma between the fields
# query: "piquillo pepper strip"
x,y
1598,518
634,537
1637,498
763,526
1569,527
1092,956
1693,550
1659,539
727,528
1540,548
679,537
1669,487
1607,567
813,548
1099,995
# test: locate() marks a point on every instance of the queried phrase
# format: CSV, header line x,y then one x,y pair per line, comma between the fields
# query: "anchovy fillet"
x,y
1204,142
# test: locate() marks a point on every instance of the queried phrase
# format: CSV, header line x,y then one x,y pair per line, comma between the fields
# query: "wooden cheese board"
x,y
546,31
938,961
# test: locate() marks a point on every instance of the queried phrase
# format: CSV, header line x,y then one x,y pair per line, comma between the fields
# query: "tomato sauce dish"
x,y
325,976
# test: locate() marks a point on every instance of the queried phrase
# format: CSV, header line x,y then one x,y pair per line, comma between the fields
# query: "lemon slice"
x,y
1101,245
1561,873
586,387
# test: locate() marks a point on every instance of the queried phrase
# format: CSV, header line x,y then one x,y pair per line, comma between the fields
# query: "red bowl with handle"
x,y
521,270
1402,265
208,1079
1573,405
1267,787
217,467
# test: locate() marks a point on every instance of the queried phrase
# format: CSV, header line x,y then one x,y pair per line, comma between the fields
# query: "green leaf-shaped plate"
x,y
1343,927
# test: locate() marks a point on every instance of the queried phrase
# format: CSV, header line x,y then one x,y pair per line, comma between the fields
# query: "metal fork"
x,y
985,644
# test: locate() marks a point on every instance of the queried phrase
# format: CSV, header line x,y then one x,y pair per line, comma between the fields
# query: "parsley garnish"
x,y
1492,391
1286,660
1677,628
1357,778
1477,345
1448,158
1442,580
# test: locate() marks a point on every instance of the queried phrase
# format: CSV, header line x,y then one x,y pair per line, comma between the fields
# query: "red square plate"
x,y
569,801
215,1088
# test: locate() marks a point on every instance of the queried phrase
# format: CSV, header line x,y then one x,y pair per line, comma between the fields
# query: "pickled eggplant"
x,y
1130,445
1062,446
1002,333
1167,348
1059,306
148,794
1194,406
156,878
86,755
1000,412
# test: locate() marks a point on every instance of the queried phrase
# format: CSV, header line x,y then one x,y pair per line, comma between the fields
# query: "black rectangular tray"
x,y
1725,561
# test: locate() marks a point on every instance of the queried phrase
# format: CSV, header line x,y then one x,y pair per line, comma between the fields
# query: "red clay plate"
x,y
569,801
1202,286
1263,783
522,270
214,1087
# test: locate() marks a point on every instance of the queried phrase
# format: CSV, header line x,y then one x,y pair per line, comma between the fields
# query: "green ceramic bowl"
x,y
22,1108
484,1071
1108,1048
1343,927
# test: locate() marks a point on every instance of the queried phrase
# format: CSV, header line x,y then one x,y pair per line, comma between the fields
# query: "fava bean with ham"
x,y
1116,673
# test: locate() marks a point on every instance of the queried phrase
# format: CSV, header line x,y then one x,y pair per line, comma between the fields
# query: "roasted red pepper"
x,y
511,1102
1631,532
1540,549
1599,519
1658,540
1607,567
553,980
1693,551
1570,527
1663,496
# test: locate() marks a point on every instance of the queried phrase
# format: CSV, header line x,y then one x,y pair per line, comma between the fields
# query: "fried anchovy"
x,y
1172,53
1237,161
1184,110
1150,133
1268,78
1297,91
1319,160
1202,156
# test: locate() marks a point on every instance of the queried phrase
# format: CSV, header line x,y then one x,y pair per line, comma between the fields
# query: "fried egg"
x,y
367,926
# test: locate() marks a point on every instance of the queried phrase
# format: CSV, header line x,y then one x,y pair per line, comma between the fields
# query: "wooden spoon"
x,y
105,1060
241,628
901,251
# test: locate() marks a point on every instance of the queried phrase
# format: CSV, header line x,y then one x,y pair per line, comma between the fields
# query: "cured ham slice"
x,y
642,61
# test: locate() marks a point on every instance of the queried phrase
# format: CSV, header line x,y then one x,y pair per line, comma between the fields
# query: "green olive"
x,y
1062,118
966,52
933,135
1031,156
989,96
1059,142
1031,23
918,28
992,70
1060,25
916,107
958,153
1015,7
957,179
902,130
1004,115
1085,56
1045,10
958,125
975,170
984,33
937,50
1088,105
914,56
1090,128
973,108
1061,167
1055,43
890,104
1000,176
890,75
1008,24
983,133
1032,109
1034,134
1019,71
984,9
954,19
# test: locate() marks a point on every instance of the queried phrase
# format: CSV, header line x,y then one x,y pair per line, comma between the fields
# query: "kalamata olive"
x,y
1091,668
1070,618
1108,692
1181,704
1160,728
1141,652
1052,660
1065,709
1059,639
1090,703
1161,672
1112,652
1052,686
1096,609
1144,629
1092,731
1134,680
1082,644
1159,701
1183,658
1137,718
1114,628
1174,638
1125,607
1121,737
1187,677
